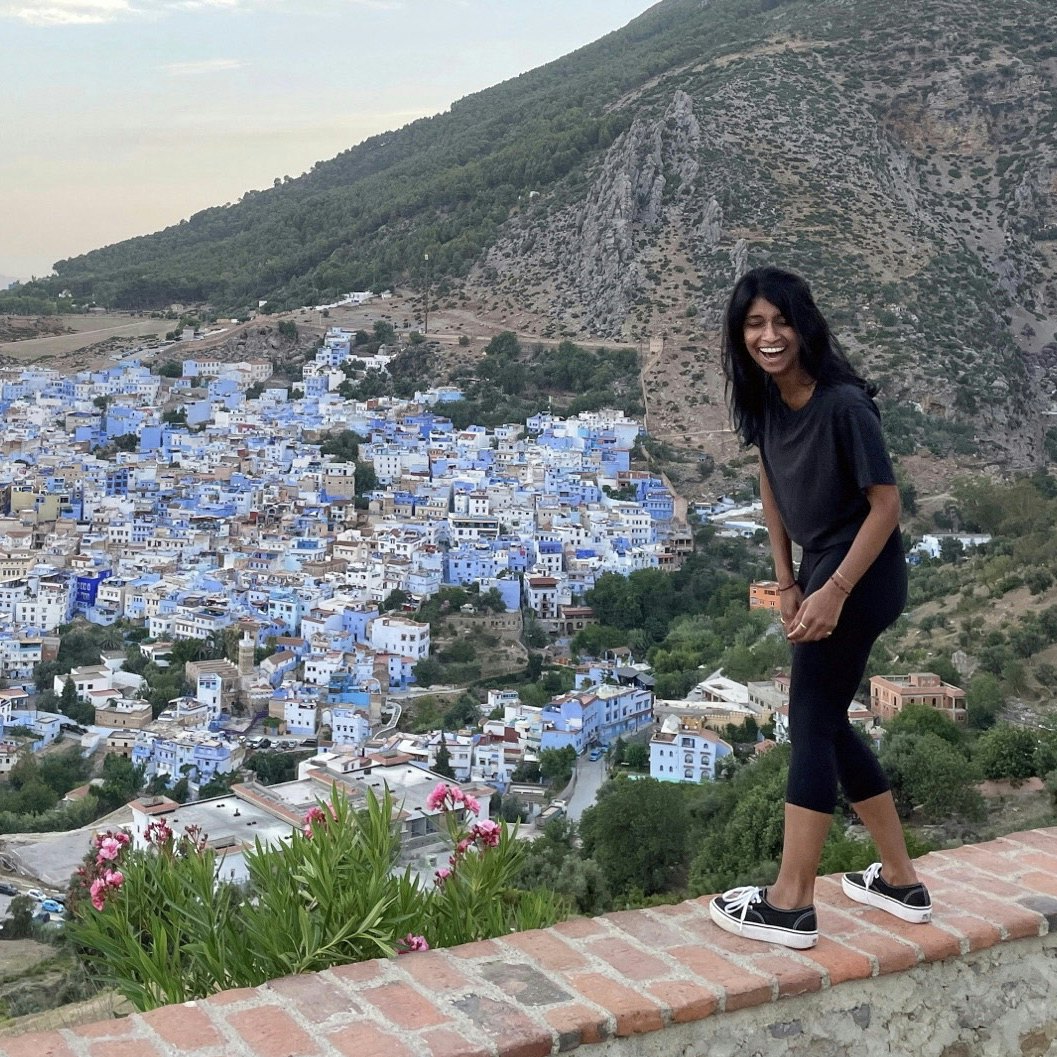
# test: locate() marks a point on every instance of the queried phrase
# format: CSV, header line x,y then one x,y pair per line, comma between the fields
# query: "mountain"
x,y
901,155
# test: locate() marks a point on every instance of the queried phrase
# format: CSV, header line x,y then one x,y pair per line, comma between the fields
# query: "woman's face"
x,y
771,341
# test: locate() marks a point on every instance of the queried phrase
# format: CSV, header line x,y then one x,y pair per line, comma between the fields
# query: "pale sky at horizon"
x,y
124,116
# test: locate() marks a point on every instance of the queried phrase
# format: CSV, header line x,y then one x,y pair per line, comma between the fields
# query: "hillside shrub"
x,y
163,925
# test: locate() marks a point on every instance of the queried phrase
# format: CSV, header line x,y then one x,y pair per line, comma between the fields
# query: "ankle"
x,y
899,876
790,897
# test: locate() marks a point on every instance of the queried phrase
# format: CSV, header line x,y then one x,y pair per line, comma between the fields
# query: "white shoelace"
x,y
870,874
740,899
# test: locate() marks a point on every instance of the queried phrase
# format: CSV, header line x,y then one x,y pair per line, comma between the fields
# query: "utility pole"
x,y
425,319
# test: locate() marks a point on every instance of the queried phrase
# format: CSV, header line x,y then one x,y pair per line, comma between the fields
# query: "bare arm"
x,y
782,552
820,611
781,547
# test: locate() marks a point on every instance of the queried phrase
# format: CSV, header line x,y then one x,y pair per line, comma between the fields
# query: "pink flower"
x,y
411,943
110,881
472,804
158,833
98,891
109,849
487,832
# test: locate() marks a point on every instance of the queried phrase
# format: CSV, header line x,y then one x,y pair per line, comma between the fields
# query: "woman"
x,y
827,484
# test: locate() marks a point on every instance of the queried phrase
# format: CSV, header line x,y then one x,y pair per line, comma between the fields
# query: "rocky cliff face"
x,y
908,168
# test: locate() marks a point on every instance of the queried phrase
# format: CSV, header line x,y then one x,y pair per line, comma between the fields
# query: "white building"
x,y
400,636
682,754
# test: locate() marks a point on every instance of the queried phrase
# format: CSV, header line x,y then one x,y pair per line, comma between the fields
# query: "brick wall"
x,y
981,979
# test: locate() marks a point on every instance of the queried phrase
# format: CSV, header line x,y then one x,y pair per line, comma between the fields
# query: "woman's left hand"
x,y
817,616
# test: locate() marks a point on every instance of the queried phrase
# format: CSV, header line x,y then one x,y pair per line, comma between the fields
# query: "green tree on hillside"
x,y
636,833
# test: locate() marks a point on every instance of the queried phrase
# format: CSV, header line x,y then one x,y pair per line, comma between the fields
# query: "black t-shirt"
x,y
821,459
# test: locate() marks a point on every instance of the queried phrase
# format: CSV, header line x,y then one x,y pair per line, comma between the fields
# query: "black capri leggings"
x,y
825,676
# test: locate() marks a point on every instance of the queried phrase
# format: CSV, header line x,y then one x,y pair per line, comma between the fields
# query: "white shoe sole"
x,y
800,941
915,915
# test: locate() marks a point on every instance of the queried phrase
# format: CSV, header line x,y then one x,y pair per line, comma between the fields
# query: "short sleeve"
x,y
861,443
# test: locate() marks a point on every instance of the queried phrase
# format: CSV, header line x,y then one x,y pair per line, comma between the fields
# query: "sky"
x,y
122,117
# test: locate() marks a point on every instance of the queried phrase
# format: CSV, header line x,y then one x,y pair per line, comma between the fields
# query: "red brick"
x,y
479,949
840,923
727,943
974,932
984,883
435,970
314,997
574,1021
685,1001
107,1029
793,977
1041,882
889,953
359,972
237,994
537,1046
515,1034
1038,860
635,1013
404,1006
1013,921
828,892
738,987
547,950
185,1026
840,963
688,907
123,1048
1042,839
269,1032
37,1044
648,928
442,1042
366,1040
631,962
581,928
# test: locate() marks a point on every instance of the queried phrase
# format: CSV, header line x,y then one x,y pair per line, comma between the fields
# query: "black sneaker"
x,y
910,902
746,912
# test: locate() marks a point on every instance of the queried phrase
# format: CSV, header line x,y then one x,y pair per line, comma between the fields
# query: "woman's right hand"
x,y
792,600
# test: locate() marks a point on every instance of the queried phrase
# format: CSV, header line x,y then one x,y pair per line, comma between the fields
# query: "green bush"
x,y
162,927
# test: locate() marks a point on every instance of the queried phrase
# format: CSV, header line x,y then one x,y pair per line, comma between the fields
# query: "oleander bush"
x,y
163,925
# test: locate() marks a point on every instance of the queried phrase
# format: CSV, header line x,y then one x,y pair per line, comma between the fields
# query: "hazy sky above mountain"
x,y
124,116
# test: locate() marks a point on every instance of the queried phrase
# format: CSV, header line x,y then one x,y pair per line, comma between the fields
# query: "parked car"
x,y
53,906
37,894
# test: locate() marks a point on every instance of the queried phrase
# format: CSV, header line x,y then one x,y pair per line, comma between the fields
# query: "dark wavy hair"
x,y
820,353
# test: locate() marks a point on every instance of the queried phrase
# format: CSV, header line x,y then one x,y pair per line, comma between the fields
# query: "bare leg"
x,y
805,833
880,817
